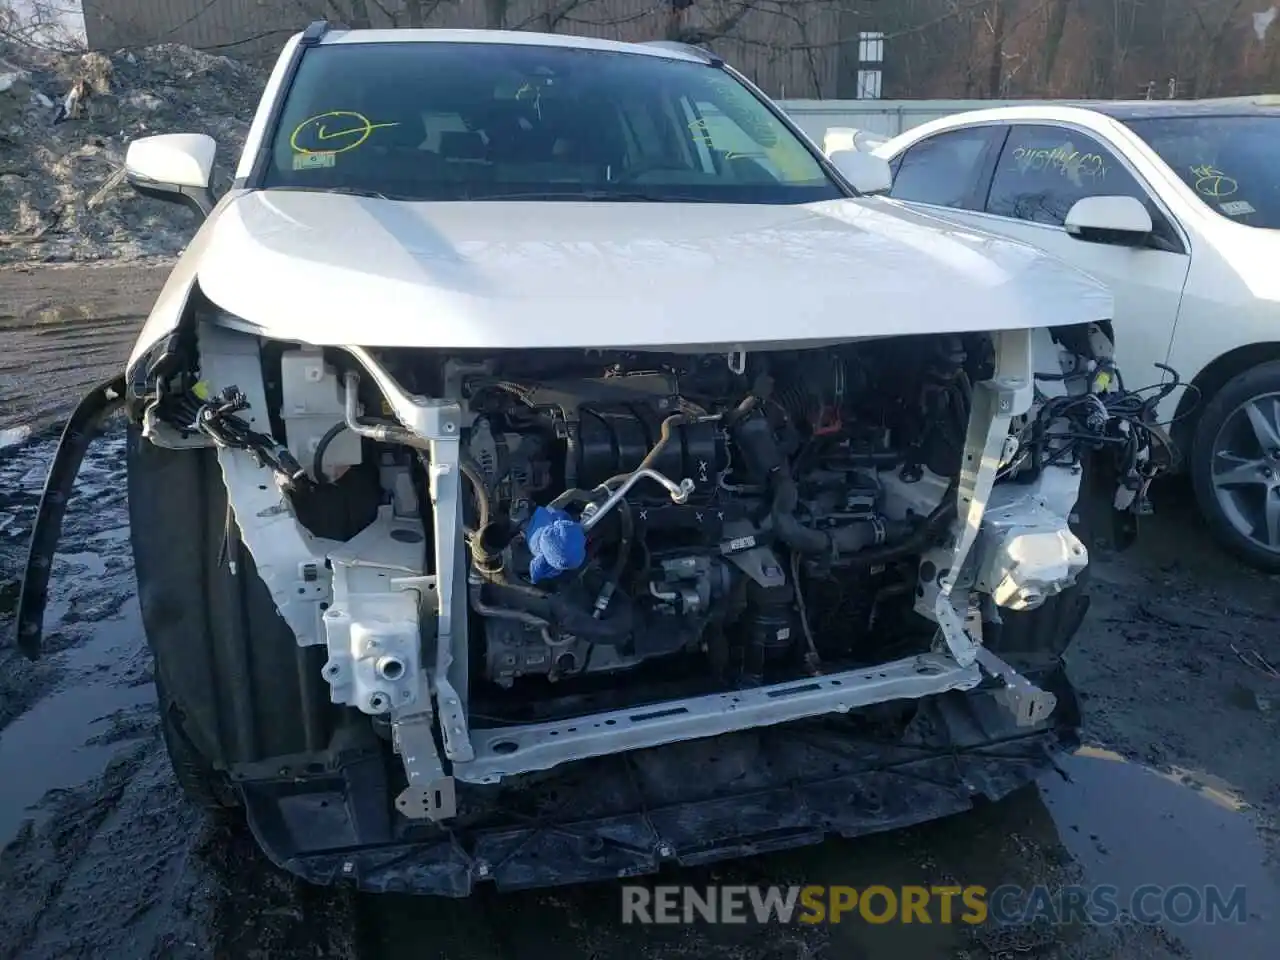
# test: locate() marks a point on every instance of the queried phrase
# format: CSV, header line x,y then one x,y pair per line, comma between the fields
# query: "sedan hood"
x,y
329,269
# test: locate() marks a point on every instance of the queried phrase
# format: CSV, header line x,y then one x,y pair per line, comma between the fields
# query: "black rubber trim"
x,y
247,692
625,815
199,200
314,32
706,56
96,406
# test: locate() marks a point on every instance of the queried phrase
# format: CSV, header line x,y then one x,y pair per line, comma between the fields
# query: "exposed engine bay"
x,y
626,509
567,553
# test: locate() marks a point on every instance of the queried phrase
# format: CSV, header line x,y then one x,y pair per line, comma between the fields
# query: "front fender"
x,y
171,308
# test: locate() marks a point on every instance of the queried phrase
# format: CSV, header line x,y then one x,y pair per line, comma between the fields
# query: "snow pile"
x,y
65,123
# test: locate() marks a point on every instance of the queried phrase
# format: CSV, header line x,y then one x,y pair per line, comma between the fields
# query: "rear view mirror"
x,y
177,167
1119,220
866,172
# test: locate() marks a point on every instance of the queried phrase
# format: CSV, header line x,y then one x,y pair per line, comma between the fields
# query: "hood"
x,y
329,269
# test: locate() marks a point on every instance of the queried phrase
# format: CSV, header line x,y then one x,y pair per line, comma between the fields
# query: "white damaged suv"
x,y
544,463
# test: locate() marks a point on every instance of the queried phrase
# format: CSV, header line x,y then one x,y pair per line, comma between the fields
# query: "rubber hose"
x,y
851,543
480,489
790,530
923,537
317,462
565,616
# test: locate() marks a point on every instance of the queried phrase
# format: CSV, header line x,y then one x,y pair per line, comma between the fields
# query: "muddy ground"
x,y
100,857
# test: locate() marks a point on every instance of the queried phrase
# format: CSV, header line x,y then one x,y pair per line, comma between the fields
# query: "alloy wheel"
x,y
1246,470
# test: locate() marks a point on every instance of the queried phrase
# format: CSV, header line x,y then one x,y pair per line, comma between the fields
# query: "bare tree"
x,y
554,14
1055,28
353,13
994,19
932,48
1215,19
40,23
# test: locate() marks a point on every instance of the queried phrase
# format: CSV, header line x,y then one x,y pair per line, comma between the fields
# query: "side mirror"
x,y
865,171
1124,221
177,167
850,138
839,138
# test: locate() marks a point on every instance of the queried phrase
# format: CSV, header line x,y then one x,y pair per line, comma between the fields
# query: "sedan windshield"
x,y
486,121
1229,161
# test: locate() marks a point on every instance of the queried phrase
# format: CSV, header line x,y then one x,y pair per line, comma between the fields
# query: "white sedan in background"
x,y
1176,206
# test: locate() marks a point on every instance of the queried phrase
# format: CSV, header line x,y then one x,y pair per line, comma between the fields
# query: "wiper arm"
x,y
359,192
595,196
345,191
589,196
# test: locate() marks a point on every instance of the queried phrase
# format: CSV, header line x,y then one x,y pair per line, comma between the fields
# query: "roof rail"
x,y
706,56
314,32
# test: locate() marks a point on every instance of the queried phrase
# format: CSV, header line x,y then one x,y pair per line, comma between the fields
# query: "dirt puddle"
x,y
1128,827
79,728
1112,823
100,856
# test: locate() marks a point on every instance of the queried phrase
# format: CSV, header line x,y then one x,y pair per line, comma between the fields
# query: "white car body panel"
x,y
328,269
262,116
1183,310
166,313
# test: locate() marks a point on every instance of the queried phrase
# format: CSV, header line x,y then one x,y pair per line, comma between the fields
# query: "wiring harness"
x,y
1106,418
217,417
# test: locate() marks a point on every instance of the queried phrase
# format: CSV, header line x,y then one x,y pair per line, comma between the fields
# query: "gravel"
x,y
62,195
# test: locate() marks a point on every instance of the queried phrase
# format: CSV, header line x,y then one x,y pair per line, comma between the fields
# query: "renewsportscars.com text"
x,y
972,904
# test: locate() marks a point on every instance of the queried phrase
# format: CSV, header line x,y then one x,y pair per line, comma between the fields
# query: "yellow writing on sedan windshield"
x,y
334,132
1212,182
1065,160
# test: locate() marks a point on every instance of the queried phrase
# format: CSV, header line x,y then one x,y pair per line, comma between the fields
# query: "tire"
x,y
204,786
1221,430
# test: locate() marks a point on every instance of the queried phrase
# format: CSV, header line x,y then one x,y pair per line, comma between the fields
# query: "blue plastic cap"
x,y
557,542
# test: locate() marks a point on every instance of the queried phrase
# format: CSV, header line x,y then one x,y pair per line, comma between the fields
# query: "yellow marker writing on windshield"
x,y
334,132
1212,182
702,134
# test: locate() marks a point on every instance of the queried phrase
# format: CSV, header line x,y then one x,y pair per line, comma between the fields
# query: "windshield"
x,y
1228,161
477,121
